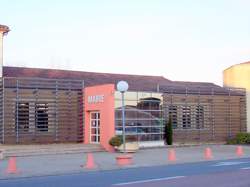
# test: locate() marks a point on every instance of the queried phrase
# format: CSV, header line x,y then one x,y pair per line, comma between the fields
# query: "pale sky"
x,y
186,40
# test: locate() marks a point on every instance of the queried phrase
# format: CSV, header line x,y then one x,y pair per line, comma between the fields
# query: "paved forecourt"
x,y
72,163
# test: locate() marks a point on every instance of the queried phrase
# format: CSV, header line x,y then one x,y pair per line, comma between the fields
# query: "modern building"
x,y
239,76
53,106
46,105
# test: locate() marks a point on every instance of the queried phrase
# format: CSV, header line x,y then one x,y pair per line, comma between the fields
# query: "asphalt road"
x,y
229,173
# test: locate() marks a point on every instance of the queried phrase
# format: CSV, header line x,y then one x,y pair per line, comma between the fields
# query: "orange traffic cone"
x,y
12,169
239,151
171,155
124,160
90,164
208,154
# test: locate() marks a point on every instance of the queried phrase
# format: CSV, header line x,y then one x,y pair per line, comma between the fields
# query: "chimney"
x,y
3,31
158,88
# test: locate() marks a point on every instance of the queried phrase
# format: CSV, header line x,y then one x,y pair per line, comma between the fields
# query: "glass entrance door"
x,y
95,127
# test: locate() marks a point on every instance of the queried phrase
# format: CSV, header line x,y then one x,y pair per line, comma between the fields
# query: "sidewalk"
x,y
71,163
48,149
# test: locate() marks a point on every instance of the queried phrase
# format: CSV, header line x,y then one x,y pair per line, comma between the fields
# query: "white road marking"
x,y
228,163
150,180
245,168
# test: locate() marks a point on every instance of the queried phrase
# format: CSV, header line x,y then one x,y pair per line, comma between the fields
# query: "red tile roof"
x,y
136,82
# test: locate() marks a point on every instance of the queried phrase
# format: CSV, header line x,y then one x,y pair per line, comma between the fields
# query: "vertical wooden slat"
x,y
63,113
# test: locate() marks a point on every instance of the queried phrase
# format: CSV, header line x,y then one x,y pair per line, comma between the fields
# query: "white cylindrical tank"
x,y
239,76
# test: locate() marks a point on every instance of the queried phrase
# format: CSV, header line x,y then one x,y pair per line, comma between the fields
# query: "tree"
x,y
168,132
115,141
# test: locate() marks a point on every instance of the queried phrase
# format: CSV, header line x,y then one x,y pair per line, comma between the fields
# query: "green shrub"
x,y
231,141
168,132
240,138
243,138
115,141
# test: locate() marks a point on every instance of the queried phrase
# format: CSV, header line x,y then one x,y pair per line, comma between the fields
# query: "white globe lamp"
x,y
122,86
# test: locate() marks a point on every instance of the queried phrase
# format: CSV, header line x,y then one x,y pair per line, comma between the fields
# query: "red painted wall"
x,y
107,113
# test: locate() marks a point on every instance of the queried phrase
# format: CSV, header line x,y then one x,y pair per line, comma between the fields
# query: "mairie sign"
x,y
96,99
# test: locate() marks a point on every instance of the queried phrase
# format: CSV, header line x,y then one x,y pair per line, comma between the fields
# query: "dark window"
x,y
22,117
173,113
42,117
186,117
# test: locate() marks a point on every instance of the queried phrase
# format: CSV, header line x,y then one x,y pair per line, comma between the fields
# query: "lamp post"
x,y
3,31
122,86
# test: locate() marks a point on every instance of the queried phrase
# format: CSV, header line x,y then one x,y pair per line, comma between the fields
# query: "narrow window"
x,y
199,117
173,114
22,117
42,117
186,117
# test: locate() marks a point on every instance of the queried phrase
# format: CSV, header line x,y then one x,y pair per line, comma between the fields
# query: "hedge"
x,y
240,138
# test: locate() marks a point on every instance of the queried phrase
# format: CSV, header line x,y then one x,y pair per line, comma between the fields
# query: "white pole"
x,y
122,86
123,124
3,31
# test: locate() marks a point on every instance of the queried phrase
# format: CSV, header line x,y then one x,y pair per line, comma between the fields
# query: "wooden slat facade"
x,y
1,110
41,111
223,115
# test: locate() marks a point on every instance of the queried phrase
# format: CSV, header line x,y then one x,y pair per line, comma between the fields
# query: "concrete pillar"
x,y
3,31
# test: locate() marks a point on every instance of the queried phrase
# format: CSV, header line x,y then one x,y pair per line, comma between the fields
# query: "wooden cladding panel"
x,y
61,122
224,116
